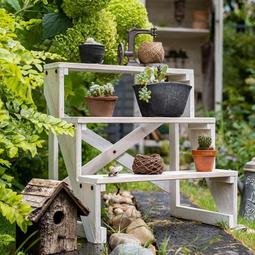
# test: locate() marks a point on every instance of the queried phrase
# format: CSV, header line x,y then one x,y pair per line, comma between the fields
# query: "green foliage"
x,y
129,14
204,142
101,90
54,23
20,123
82,8
101,26
235,130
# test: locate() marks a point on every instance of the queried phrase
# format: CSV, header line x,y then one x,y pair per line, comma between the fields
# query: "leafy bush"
x,y
129,14
236,135
21,124
80,8
101,26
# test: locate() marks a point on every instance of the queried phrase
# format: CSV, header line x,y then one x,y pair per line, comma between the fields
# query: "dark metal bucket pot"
x,y
168,99
91,53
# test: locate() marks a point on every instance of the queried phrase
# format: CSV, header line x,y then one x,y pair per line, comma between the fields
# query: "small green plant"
x,y
204,143
97,90
150,75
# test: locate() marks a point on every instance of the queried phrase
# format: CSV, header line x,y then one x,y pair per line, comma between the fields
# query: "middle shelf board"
x,y
86,120
167,175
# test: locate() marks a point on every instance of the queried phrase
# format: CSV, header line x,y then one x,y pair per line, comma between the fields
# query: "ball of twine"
x,y
148,164
151,52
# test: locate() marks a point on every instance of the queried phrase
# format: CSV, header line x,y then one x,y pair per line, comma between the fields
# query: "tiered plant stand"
x,y
88,186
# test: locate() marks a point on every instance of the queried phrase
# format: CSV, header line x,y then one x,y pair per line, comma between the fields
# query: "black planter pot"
x,y
91,53
168,99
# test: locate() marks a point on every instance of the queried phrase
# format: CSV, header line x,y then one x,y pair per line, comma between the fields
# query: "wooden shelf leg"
x,y
174,166
225,196
53,157
91,198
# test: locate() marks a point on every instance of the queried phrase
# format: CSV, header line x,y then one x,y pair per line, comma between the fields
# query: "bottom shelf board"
x,y
167,175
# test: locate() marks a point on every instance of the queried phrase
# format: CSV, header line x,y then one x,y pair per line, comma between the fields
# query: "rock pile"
x,y
131,231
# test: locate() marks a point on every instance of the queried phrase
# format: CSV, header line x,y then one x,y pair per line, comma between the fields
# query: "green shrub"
x,y
21,124
101,26
79,8
129,14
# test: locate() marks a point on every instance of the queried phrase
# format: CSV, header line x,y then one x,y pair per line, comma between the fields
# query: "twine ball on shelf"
x,y
148,164
151,52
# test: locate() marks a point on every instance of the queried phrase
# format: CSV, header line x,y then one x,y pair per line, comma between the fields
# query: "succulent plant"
x,y
204,143
155,74
145,94
97,90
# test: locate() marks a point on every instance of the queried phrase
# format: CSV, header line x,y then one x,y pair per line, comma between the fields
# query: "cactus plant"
x,y
100,100
204,156
204,143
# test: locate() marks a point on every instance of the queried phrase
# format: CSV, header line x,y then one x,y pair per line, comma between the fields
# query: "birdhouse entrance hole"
x,y
58,217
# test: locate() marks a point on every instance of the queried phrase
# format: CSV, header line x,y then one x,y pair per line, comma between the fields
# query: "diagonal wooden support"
x,y
125,159
118,148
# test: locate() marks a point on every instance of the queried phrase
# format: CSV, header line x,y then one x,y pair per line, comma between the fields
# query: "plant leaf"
x,y
55,23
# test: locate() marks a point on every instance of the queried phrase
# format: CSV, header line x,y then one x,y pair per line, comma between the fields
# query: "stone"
x,y
124,207
132,213
120,222
121,200
126,194
122,238
130,249
118,211
141,231
153,249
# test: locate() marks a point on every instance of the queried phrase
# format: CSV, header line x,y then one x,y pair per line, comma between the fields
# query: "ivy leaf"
x,y
55,23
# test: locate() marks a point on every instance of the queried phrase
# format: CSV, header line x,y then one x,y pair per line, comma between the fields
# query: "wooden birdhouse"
x,y
54,217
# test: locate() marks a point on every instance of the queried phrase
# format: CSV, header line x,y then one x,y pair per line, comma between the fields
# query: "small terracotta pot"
x,y
204,159
200,15
101,106
200,19
200,25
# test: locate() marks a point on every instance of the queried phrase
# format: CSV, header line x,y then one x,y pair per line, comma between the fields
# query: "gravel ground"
x,y
194,237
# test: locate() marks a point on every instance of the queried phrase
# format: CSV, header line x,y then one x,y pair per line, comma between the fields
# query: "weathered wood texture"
x,y
58,226
54,217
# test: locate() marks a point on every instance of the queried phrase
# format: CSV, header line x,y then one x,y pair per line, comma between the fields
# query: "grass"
x,y
6,229
201,197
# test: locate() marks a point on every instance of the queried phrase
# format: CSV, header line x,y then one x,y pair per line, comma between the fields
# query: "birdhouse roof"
x,y
40,193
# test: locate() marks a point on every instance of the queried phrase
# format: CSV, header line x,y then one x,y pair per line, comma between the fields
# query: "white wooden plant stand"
x,y
88,186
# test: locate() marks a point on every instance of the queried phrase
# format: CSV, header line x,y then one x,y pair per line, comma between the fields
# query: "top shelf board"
x,y
100,68
86,120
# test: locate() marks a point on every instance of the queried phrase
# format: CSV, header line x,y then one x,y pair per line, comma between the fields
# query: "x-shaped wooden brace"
x,y
116,151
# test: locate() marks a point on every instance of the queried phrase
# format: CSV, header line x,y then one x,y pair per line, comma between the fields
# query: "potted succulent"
x,y
158,98
204,156
91,51
100,100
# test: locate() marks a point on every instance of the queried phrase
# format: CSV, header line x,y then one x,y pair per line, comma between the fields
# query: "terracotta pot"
x,y
200,15
200,25
200,19
151,52
101,106
204,159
